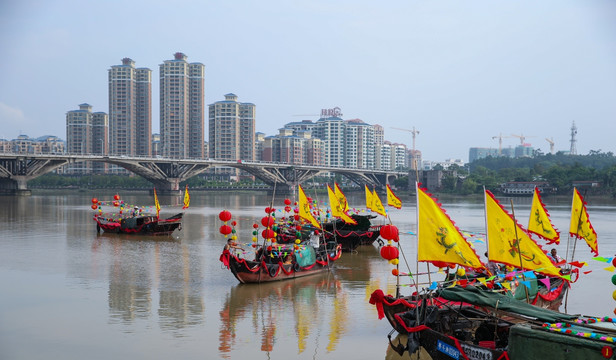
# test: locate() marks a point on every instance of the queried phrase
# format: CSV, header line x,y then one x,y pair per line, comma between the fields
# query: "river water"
x,y
68,293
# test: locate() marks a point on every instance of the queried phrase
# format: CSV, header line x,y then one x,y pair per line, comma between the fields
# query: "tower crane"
x,y
521,137
414,132
500,142
551,142
413,154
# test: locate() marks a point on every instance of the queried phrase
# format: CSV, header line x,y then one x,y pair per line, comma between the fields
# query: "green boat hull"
x,y
526,342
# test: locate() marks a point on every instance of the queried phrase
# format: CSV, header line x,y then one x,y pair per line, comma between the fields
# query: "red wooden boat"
x,y
268,265
140,225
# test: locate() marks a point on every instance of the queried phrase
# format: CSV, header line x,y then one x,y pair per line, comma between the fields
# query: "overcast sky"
x,y
460,72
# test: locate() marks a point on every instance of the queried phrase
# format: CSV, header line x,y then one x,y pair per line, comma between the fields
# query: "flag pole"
x,y
417,222
515,229
485,220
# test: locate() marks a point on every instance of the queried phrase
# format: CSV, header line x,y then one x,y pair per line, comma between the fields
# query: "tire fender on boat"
x,y
296,267
147,220
272,271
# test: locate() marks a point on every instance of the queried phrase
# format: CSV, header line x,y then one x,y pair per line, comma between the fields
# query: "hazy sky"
x,y
460,72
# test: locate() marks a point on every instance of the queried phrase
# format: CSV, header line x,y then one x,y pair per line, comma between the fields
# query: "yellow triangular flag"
x,y
539,221
392,199
377,205
509,243
186,199
368,198
580,226
344,205
304,208
337,207
438,239
156,203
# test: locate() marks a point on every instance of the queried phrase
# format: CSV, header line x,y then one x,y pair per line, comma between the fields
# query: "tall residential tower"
x,y
232,130
182,108
130,110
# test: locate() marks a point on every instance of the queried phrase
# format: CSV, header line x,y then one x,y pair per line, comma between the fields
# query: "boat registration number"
x,y
475,353
471,352
448,349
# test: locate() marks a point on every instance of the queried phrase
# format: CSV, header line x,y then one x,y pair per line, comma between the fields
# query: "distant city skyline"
x,y
460,73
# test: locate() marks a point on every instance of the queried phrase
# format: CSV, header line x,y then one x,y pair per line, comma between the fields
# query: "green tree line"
x,y
559,170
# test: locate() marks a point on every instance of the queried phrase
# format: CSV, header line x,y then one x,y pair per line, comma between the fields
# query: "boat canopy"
x,y
475,296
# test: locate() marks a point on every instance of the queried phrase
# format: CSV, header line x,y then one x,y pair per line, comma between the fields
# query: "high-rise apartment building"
x,y
232,130
359,144
130,110
182,108
86,133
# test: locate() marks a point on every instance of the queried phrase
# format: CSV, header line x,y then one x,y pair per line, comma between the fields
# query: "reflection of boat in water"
x,y
400,340
265,306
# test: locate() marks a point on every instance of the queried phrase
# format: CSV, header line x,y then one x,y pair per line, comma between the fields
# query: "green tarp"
x,y
486,298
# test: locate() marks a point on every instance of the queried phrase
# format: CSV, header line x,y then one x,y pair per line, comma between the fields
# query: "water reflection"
x,y
170,292
143,270
288,311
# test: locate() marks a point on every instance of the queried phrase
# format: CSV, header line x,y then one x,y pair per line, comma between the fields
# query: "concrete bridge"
x,y
166,174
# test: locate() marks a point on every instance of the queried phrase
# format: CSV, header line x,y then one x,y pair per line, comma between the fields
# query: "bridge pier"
x,y
169,186
17,185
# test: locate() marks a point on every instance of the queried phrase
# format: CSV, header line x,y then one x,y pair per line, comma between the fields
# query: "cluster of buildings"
x,y
126,130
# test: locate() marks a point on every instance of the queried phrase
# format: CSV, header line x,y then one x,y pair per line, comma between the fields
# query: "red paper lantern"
x,y
94,200
287,208
389,252
116,197
224,216
268,210
296,217
267,221
394,272
389,232
268,234
233,223
287,202
94,206
225,229
256,226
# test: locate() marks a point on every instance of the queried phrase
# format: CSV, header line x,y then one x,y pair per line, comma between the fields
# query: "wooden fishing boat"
x,y
139,225
351,236
270,265
488,325
538,295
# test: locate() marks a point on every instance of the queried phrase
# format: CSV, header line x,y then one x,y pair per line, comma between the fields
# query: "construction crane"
x,y
500,142
551,142
413,153
414,132
521,137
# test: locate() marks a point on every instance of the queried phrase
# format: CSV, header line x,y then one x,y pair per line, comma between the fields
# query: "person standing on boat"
x,y
232,245
553,255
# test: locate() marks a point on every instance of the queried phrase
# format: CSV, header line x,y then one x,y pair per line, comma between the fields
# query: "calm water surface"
x,y
68,293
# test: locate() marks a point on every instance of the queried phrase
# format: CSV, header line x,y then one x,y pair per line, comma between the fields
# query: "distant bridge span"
x,y
166,173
